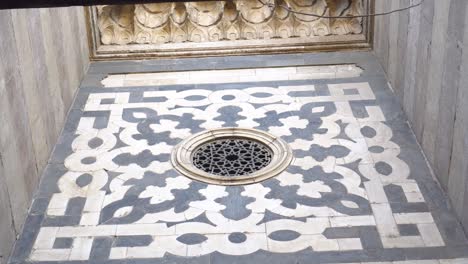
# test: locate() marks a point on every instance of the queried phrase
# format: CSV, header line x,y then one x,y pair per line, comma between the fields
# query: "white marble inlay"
x,y
232,76
133,190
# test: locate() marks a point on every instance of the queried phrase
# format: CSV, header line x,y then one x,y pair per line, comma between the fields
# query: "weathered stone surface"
x,y
6,227
458,177
228,27
218,20
38,78
432,85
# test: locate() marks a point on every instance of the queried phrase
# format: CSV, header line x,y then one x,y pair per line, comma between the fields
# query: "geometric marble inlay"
x,y
232,156
352,185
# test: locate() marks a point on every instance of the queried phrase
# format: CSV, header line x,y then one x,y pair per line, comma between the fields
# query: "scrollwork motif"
x,y
211,21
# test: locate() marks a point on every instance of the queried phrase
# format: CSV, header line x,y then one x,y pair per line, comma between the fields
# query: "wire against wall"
x,y
272,6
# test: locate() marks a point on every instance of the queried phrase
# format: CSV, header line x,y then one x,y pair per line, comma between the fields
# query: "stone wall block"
x,y
432,48
39,76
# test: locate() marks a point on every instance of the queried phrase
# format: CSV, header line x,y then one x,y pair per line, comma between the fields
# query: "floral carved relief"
x,y
212,21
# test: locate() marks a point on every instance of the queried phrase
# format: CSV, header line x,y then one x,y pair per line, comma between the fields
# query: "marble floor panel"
x,y
357,191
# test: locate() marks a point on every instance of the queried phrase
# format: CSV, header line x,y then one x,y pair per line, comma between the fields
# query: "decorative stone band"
x,y
224,27
281,156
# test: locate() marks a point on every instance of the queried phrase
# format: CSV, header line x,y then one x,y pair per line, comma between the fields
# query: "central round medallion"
x,y
231,156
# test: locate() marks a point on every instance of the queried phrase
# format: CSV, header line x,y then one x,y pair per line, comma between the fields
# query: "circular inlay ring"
x,y
183,155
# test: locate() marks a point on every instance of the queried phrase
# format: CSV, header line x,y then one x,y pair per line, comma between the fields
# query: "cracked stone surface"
x,y
357,191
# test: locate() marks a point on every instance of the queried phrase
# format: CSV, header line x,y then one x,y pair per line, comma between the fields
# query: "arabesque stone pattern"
x,y
212,21
358,189
221,28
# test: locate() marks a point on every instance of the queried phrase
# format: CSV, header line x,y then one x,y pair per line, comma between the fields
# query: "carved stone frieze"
x,y
217,21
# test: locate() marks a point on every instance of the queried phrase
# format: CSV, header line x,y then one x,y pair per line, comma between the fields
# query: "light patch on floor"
x,y
233,76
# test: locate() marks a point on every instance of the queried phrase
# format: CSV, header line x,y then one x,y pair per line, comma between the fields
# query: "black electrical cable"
x,y
271,5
